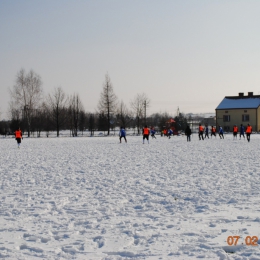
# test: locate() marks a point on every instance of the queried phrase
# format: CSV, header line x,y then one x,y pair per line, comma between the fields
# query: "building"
x,y
203,118
236,110
209,120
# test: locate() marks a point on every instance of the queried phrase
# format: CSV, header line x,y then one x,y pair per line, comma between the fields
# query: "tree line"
x,y
35,113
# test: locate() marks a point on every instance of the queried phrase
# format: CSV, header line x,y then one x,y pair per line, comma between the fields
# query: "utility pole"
x,y
178,111
145,111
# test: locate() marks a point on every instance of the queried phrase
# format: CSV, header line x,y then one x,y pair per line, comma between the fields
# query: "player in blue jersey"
x,y
122,134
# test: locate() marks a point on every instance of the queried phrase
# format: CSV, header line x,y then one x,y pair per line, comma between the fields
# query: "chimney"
x,y
250,94
241,94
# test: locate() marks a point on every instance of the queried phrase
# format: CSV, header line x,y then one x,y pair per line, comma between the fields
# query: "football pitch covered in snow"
x,y
94,198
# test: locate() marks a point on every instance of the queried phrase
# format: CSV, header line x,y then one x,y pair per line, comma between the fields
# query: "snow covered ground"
x,y
94,198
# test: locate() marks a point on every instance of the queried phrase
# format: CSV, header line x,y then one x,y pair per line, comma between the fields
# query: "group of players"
x,y
242,131
202,131
146,132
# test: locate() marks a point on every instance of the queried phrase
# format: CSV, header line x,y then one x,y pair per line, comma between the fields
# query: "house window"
x,y
245,118
245,111
226,118
226,112
226,128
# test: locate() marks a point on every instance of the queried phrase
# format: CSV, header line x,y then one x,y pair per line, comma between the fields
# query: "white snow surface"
x,y
94,198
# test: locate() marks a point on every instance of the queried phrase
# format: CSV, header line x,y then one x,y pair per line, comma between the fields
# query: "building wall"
x,y
209,121
258,120
236,118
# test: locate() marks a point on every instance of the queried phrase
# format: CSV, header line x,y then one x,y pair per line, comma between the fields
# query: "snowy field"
x,y
94,198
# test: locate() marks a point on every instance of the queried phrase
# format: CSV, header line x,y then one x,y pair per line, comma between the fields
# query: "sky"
x,y
182,53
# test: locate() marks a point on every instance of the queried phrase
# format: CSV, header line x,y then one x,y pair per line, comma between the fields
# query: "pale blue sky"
x,y
186,54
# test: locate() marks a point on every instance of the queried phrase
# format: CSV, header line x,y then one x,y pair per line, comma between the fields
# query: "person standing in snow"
x,y
188,133
201,130
206,132
242,131
18,136
122,134
146,132
221,132
235,130
213,131
248,132
153,133
170,132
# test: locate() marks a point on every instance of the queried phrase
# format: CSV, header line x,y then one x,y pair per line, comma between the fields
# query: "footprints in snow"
x,y
100,241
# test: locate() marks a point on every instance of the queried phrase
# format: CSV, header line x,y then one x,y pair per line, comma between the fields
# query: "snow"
x,y
94,198
232,103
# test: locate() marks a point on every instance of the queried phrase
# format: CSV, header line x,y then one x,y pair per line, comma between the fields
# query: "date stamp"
x,y
249,240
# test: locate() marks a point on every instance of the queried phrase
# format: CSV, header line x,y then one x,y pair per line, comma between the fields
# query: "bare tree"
x,y
57,103
146,102
46,119
36,122
4,127
140,105
26,95
108,102
124,115
102,124
82,121
91,124
16,117
75,107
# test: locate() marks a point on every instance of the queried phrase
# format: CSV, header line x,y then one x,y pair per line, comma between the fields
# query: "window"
x,y
245,118
226,118
226,128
